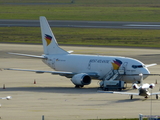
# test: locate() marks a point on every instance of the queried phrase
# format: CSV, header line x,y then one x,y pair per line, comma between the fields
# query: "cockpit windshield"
x,y
137,66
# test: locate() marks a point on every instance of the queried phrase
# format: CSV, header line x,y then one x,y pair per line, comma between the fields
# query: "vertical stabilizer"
x,y
50,45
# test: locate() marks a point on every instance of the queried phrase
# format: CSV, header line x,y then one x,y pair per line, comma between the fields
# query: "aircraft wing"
x,y
41,71
156,93
138,74
62,73
123,93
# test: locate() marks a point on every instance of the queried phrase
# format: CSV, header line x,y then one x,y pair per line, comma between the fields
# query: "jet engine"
x,y
8,97
81,79
152,86
135,86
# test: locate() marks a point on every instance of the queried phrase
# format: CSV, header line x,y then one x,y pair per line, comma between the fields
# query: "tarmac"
x,y
55,96
81,24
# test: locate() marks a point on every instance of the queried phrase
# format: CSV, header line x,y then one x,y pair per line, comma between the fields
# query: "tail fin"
x,y
50,45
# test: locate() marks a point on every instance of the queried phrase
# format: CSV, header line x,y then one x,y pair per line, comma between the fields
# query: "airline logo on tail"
x,y
116,64
48,39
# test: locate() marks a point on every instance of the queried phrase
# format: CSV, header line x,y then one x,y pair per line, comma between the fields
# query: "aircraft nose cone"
x,y
145,72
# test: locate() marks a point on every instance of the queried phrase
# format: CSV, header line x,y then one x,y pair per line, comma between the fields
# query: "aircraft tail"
x,y
50,45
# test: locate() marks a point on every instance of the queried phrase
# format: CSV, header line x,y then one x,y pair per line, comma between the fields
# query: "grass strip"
x,y
84,36
92,10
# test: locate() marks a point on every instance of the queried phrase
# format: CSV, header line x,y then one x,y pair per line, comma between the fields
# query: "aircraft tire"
x,y
131,97
79,86
156,96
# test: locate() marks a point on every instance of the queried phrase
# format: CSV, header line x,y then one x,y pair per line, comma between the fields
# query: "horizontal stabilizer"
x,y
26,55
151,65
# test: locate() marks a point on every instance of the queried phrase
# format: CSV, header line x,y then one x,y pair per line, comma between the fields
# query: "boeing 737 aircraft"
x,y
143,90
83,68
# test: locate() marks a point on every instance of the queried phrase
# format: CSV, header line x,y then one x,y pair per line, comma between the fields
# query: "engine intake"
x,y
81,79
135,86
152,86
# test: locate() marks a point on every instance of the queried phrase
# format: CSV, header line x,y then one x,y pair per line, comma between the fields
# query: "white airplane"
x,y
83,68
7,98
143,90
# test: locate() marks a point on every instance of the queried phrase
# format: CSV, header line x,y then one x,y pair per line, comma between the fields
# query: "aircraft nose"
x,y
145,72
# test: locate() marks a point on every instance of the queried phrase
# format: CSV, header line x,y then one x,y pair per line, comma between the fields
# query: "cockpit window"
x,y
137,66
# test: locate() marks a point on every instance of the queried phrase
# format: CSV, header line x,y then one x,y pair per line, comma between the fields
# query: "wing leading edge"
x,y
62,73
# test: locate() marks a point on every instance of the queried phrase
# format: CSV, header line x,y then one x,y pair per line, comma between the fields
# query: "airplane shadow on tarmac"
x,y
136,99
66,90
128,100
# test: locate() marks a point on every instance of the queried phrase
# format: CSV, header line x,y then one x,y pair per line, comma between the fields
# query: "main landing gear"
x,y
131,97
146,97
156,96
79,86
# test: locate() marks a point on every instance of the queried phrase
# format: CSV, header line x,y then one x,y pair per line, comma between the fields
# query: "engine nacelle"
x,y
8,97
81,79
152,86
135,86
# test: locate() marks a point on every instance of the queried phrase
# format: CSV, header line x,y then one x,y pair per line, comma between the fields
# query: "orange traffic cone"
x,y
156,82
34,81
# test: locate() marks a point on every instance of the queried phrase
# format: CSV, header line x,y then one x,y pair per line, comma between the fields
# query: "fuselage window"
x,y
137,66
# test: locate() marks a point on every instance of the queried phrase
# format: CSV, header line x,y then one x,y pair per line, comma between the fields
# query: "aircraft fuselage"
x,y
99,64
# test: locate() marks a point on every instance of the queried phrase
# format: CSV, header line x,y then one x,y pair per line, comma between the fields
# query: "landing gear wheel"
x,y
156,96
120,89
79,86
146,97
105,89
131,97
